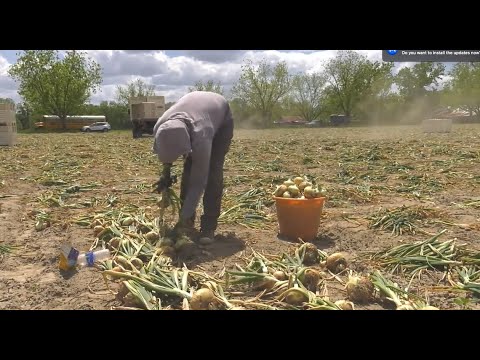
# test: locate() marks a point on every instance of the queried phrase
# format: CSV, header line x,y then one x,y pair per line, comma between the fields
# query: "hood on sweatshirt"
x,y
172,141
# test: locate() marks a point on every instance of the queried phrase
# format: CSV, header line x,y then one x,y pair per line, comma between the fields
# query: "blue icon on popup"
x,y
392,52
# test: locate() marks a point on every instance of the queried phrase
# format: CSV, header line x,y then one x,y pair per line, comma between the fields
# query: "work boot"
x,y
207,237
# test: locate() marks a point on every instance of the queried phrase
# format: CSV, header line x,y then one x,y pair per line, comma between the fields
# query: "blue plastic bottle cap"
x,y
90,258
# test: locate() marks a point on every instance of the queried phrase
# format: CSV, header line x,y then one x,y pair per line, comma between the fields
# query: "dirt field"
x,y
364,170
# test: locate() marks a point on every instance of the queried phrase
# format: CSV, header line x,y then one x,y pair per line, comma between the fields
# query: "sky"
x,y
172,72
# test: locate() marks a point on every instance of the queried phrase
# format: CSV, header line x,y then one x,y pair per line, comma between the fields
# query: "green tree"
x,y
307,94
416,87
54,84
352,79
115,113
134,88
6,100
413,81
209,85
463,90
262,87
24,115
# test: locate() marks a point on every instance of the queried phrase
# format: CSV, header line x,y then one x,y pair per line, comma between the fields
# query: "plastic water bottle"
x,y
90,257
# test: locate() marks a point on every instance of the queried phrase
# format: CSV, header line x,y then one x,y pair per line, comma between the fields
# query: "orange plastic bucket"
x,y
299,218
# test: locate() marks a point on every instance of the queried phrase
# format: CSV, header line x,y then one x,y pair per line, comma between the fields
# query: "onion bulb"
x,y
286,194
279,275
165,251
152,236
280,190
302,185
267,283
40,225
201,299
137,263
293,189
114,243
288,183
98,229
295,296
310,254
127,221
122,261
308,192
359,289
336,262
298,180
345,305
405,307
310,279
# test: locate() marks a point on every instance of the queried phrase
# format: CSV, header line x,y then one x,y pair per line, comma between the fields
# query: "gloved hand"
x,y
164,183
166,180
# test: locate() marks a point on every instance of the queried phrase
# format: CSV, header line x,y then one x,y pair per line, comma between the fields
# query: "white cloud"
x,y
116,63
215,56
3,66
8,87
172,72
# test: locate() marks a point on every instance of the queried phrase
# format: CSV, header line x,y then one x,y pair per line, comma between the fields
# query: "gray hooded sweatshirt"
x,y
188,127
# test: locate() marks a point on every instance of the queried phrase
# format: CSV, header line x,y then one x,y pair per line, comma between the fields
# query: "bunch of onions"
x,y
299,188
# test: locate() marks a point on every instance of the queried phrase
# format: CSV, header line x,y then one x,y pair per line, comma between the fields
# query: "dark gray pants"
x,y
212,197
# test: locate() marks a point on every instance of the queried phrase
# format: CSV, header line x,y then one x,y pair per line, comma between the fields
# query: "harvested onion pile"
x,y
299,188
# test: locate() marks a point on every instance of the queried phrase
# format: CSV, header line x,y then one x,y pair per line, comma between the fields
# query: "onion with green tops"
x,y
336,262
311,278
201,299
295,296
359,289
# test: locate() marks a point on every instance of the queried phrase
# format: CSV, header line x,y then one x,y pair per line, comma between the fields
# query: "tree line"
x,y
349,84
353,85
